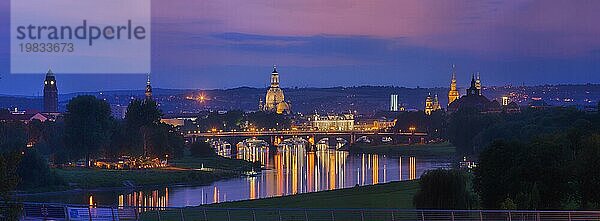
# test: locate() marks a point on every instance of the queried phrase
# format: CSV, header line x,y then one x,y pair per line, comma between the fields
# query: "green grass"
x,y
395,195
440,149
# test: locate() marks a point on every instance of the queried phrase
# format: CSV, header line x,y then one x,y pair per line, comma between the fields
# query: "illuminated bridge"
x,y
313,137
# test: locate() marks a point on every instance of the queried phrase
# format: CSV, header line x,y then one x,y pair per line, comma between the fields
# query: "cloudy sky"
x,y
320,43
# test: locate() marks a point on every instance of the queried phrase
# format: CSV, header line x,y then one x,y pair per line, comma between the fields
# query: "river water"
x,y
291,170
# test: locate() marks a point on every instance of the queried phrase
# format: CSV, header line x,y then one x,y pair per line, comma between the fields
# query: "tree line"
x,y
540,159
88,131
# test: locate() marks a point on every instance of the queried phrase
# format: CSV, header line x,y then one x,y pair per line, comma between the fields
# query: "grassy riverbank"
x,y
439,149
183,171
397,195
388,195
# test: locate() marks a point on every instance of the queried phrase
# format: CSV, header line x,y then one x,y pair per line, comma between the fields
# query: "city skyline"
x,y
390,43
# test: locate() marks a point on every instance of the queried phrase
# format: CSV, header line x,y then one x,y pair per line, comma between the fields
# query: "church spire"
x,y
473,90
453,72
478,83
453,94
148,92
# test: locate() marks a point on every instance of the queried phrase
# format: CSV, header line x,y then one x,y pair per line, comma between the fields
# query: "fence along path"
x,y
47,211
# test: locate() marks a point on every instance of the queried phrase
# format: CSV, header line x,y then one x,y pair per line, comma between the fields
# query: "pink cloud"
x,y
519,27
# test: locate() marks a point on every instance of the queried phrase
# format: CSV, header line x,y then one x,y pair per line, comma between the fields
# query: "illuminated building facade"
x,y
505,100
343,122
453,94
432,104
394,103
374,124
478,83
275,100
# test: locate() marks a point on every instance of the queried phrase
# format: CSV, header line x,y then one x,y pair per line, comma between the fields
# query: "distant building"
x,y
505,100
27,116
119,111
476,101
432,104
50,93
394,103
538,103
453,94
275,100
375,124
344,122
436,103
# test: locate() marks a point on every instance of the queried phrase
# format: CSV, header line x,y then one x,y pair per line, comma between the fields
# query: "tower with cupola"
x,y
453,94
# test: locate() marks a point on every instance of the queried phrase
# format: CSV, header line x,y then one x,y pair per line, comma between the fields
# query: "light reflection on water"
x,y
292,170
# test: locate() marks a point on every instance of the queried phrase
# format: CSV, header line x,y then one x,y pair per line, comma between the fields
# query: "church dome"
x,y
477,102
283,108
274,97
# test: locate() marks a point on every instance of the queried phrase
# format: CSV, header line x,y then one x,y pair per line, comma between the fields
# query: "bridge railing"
x,y
47,211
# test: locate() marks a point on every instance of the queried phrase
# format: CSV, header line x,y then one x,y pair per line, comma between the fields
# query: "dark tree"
x,y
434,124
534,175
88,125
147,135
9,180
268,120
496,177
141,121
445,189
201,149
165,140
48,138
13,136
141,113
34,171
175,141
465,125
589,172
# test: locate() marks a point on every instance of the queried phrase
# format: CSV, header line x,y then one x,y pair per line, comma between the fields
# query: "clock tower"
x,y
50,93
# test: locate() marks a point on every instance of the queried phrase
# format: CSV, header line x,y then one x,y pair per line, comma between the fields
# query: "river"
x,y
291,170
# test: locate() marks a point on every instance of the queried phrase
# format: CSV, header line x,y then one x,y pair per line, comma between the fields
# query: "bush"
x,y
34,172
445,189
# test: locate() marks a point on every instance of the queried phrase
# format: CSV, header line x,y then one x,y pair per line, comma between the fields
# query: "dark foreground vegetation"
x,y
56,155
540,159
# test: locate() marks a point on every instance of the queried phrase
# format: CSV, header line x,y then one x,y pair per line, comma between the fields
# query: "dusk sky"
x,y
206,44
